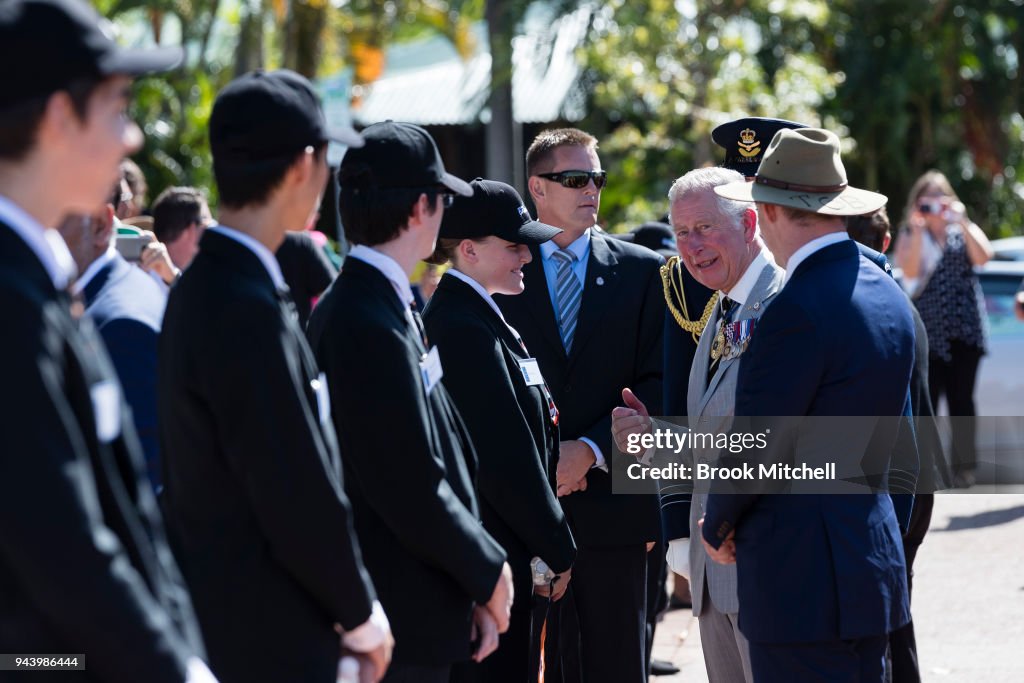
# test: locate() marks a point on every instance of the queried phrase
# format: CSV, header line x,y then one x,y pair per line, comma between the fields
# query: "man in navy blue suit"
x,y
126,305
821,578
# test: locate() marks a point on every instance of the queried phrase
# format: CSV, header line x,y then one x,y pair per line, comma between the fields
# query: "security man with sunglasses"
x,y
589,299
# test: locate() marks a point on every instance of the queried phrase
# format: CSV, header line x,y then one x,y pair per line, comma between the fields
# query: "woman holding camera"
x,y
503,399
938,250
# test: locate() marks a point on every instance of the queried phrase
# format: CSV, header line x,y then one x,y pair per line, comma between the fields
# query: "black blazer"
x,y
617,344
306,269
680,346
84,564
252,477
511,427
409,469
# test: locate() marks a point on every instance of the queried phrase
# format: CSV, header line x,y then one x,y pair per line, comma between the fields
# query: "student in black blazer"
x,y
84,564
409,463
616,341
500,393
253,482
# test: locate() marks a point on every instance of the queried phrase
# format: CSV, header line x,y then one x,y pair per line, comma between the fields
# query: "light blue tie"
x,y
568,293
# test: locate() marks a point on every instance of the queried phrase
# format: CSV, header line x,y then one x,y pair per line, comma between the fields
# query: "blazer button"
x,y
568,388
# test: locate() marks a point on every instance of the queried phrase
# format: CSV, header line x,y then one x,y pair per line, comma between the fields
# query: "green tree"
x,y
663,74
226,38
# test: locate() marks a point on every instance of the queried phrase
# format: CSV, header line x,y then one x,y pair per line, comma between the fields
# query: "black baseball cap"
x,y
398,156
656,236
266,116
46,45
745,141
495,208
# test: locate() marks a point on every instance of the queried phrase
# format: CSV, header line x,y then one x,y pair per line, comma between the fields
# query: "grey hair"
x,y
704,179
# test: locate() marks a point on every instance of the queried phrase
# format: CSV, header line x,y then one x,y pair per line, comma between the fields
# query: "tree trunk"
x,y
503,133
249,54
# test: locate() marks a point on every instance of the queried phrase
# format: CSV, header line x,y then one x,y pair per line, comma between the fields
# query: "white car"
x,y
1008,249
999,395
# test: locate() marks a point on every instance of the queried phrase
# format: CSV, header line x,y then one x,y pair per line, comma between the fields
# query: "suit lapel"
x,y
537,301
767,286
699,385
17,257
598,290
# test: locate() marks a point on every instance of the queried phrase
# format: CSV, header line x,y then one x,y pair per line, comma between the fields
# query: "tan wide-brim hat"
x,y
802,169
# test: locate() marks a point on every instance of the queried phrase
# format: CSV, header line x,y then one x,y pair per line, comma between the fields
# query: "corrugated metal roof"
x,y
426,82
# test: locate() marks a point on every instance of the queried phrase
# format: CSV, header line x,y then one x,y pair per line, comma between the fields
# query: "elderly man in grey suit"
x,y
720,245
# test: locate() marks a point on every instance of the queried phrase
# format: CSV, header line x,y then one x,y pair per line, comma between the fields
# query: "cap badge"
x,y
749,145
524,215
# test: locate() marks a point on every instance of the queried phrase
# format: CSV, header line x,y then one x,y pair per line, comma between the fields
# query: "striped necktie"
x,y
568,293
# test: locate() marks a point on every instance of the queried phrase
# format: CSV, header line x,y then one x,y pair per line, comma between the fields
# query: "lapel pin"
x,y
757,305
599,280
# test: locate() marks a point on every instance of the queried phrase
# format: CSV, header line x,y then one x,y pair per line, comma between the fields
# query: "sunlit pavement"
x,y
968,600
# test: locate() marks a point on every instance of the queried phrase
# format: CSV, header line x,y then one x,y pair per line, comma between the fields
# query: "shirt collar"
x,y
265,256
96,266
742,289
45,243
578,247
479,290
388,267
817,244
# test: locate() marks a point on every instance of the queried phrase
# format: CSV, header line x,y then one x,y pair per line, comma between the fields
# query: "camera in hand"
x,y
131,246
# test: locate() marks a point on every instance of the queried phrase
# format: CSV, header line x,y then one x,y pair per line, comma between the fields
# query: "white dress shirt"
x,y
45,243
817,244
388,267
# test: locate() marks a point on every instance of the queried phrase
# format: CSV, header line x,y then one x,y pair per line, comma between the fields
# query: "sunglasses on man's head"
x,y
577,179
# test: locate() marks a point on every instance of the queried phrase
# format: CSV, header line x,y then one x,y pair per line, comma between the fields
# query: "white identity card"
x,y
430,369
531,372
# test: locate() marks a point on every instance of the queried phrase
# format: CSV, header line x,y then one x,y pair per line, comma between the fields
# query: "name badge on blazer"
x,y
323,399
531,372
106,407
430,369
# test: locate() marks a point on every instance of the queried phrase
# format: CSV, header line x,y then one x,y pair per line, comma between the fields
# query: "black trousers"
x,y
902,642
657,597
511,662
955,379
416,673
597,632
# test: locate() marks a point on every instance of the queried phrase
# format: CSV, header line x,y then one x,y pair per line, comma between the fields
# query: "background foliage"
x,y
908,84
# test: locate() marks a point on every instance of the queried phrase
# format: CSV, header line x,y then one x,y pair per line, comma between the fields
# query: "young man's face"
x,y
95,146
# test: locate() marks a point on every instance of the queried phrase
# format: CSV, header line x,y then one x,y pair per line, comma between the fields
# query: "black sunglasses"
x,y
577,179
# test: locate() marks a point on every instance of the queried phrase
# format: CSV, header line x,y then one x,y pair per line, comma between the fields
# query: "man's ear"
x,y
103,229
536,188
749,224
58,120
418,213
301,169
886,241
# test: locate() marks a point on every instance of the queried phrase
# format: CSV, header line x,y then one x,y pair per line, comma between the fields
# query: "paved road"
x,y
968,597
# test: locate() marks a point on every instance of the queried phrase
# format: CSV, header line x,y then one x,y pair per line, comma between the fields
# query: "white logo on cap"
x,y
524,214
